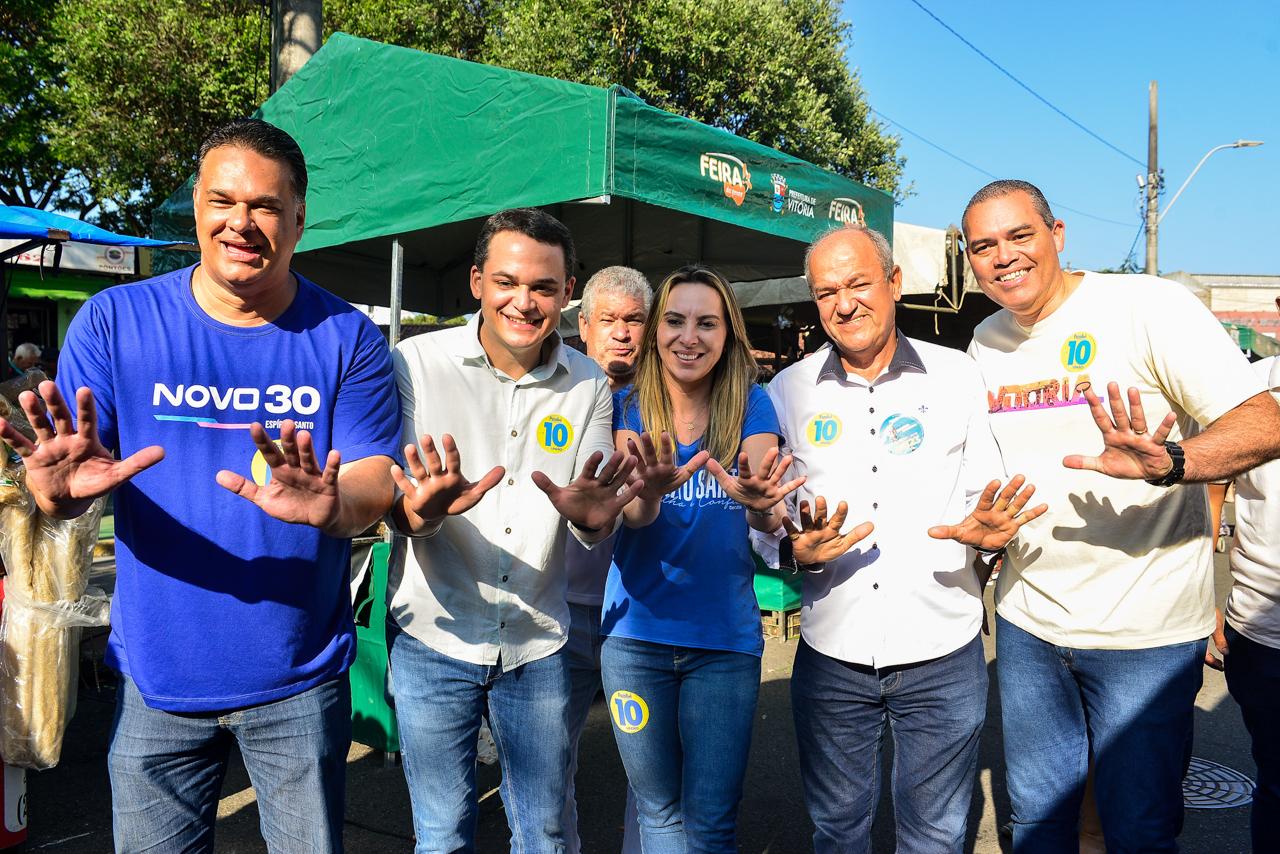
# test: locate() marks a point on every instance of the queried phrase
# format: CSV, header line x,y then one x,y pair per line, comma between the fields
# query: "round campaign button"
x,y
823,429
555,434
1078,351
630,712
902,434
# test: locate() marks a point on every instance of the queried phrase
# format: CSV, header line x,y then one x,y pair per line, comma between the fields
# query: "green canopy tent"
x,y
408,151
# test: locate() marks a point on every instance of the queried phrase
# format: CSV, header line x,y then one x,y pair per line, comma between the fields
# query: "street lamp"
x,y
1239,143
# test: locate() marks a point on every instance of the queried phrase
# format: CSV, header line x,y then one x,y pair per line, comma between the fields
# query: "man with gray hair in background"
x,y
615,306
25,357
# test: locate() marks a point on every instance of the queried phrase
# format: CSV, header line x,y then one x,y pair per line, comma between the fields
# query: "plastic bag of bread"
x,y
46,603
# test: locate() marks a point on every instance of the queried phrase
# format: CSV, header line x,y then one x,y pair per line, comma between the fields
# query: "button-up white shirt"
x,y
490,583
910,450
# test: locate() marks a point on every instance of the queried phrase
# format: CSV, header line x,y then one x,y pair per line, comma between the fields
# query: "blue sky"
x,y
1218,69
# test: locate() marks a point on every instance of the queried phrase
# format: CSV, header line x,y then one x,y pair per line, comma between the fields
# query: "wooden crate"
x,y
781,624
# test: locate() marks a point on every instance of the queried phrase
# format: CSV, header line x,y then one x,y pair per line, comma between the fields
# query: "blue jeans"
x,y
582,652
1253,677
439,702
167,770
935,710
682,718
1131,708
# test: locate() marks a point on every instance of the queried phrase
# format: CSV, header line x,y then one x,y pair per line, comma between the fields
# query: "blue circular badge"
x,y
902,434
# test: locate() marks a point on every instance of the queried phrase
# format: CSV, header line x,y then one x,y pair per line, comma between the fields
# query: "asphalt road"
x,y
69,806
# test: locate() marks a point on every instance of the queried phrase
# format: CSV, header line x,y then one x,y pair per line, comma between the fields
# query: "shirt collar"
x,y
905,358
470,351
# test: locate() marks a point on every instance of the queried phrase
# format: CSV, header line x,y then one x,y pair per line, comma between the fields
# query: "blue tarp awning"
x,y
19,223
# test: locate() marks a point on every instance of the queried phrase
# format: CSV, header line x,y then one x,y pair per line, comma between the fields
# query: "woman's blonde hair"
x,y
731,378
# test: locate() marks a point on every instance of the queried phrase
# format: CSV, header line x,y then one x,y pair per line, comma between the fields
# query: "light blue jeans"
x,y
439,703
1132,708
682,718
167,770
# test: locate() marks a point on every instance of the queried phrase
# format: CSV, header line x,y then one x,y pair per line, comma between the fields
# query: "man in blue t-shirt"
x,y
198,395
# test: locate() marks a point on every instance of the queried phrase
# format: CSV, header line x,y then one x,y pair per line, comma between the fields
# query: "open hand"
x,y
299,491
441,489
817,539
593,500
1129,452
996,519
757,491
68,467
656,465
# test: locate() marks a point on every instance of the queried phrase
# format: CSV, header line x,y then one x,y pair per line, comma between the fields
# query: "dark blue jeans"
x,y
934,709
682,718
1253,678
1132,708
439,703
167,770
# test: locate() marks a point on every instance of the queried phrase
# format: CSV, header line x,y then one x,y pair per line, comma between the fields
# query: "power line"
x,y
960,159
1033,92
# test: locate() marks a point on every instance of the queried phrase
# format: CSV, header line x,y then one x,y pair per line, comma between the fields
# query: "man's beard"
x,y
620,370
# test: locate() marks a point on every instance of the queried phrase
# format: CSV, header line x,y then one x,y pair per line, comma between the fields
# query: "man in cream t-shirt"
x,y
1105,602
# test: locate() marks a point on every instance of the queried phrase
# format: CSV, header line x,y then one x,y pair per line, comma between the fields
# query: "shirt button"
x,y
873,431
875,587
871,389
875,546
875,505
513,433
872,409
504,578
510,481
502,625
508,530
875,468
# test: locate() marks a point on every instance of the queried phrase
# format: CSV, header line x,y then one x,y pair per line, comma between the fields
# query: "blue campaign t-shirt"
x,y
217,605
687,579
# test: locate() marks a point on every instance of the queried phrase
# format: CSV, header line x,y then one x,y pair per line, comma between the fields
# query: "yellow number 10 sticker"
x,y
555,434
1078,351
630,712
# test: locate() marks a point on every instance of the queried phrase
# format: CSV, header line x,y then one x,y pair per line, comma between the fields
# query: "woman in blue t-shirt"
x,y
681,657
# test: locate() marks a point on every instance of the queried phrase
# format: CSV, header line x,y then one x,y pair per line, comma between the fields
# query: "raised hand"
x,y
68,467
758,492
656,465
1129,452
997,517
817,539
593,500
299,490
441,488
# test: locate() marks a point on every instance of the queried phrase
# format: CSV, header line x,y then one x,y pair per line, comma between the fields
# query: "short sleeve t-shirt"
x,y
1253,608
687,579
1112,564
217,605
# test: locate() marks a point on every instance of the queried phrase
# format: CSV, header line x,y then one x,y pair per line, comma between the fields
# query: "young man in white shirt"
x,y
1103,605
615,305
479,604
897,430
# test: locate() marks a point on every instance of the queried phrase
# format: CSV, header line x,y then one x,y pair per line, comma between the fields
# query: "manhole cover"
x,y
1210,786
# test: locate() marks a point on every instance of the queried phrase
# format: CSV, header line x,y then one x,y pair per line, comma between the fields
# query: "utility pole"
x,y
296,30
1153,188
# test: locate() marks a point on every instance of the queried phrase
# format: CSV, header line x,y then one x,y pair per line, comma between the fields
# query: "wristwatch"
x,y
1179,459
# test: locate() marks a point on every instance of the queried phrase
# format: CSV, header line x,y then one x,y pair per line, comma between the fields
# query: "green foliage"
x,y
144,83
103,103
770,70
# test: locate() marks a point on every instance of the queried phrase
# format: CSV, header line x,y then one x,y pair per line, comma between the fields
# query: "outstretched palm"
x,y
996,519
656,465
594,499
67,465
299,491
441,489
817,539
1129,452
757,491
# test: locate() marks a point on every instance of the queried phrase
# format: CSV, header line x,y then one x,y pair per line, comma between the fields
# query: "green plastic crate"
x,y
776,590
373,721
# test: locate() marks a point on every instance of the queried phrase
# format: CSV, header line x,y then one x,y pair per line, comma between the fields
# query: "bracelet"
x,y
760,514
989,552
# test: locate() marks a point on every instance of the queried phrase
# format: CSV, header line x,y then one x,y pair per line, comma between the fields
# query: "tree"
x,y
769,70
144,83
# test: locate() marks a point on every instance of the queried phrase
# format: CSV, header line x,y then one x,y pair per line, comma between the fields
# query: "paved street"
x,y
69,806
